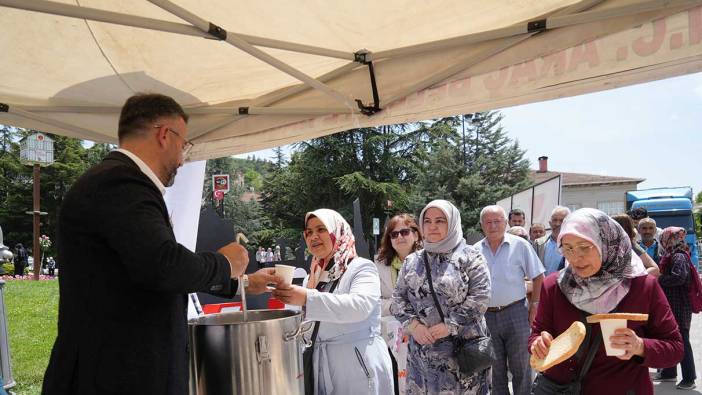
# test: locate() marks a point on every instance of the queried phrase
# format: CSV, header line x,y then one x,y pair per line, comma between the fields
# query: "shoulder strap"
x,y
431,286
588,335
315,331
594,346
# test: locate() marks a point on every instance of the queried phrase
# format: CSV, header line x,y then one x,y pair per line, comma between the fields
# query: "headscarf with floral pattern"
x,y
601,292
673,240
343,245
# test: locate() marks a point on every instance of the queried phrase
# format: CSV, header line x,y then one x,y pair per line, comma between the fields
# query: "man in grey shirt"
x,y
511,260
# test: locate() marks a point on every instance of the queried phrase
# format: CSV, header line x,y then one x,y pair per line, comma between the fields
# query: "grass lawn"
x,y
32,310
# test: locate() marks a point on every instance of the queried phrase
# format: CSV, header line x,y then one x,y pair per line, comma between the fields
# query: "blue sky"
x,y
651,131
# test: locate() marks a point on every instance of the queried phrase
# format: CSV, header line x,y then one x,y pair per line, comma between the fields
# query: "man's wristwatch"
x,y
245,280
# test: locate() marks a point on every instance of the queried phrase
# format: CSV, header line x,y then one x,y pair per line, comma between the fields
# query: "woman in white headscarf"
x,y
342,293
461,281
602,275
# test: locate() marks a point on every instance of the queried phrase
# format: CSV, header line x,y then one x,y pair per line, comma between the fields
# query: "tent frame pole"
x,y
267,100
251,50
486,54
294,111
84,133
97,15
550,22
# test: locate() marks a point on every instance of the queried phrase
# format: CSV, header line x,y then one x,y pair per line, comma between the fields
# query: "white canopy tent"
x,y
255,74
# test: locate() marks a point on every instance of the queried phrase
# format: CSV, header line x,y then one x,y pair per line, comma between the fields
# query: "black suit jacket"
x,y
122,325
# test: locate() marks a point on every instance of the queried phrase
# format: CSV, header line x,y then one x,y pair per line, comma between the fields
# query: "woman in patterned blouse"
x,y
676,273
461,281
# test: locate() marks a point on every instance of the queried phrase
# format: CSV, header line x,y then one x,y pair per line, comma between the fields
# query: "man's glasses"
x,y
404,232
187,144
579,250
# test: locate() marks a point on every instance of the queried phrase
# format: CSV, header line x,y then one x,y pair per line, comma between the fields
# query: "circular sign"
x,y
218,195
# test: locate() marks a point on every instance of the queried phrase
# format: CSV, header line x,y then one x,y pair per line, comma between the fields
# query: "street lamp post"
x,y
37,150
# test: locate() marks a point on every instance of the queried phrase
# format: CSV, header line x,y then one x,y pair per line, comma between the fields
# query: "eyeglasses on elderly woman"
x,y
579,250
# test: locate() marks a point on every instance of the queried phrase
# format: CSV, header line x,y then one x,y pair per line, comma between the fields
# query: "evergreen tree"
x,y
279,157
474,171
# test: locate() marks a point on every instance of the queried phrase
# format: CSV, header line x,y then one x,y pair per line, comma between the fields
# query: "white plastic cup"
x,y
285,272
608,327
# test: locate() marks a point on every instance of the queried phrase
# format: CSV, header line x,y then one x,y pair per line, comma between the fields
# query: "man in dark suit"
x,y
122,325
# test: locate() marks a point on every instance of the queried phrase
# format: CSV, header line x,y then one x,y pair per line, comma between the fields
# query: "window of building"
x,y
574,207
611,207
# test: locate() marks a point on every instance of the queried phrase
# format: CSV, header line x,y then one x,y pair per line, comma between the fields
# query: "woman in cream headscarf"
x,y
461,281
603,275
342,293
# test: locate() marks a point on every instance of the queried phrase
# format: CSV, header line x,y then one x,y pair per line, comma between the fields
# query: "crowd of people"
x,y
472,314
265,258
519,288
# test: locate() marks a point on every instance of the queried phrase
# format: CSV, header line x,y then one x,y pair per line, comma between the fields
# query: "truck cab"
x,y
669,207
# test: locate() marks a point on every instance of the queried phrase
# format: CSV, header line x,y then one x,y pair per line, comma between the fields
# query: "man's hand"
x,y
292,294
237,256
258,282
439,331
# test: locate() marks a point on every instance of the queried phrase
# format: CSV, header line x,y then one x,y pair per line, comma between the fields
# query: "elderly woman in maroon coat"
x,y
601,276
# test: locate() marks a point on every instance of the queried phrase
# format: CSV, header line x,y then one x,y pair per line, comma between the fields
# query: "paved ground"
x,y
696,341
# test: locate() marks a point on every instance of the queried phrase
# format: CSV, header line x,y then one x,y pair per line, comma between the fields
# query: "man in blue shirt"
x,y
647,230
511,260
547,247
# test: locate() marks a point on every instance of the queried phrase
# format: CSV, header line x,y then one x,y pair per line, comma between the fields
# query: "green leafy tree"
x,y
16,183
371,164
246,214
472,171
407,164
15,189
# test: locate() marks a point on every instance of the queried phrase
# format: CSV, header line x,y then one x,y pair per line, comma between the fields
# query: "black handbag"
x,y
308,353
473,355
545,386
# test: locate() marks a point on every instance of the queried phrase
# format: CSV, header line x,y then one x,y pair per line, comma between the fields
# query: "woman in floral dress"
x,y
462,284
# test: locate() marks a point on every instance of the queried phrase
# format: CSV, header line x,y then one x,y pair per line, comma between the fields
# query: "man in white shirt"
x,y
510,259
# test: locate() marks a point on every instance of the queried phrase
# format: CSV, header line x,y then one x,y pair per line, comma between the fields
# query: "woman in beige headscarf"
x,y
461,281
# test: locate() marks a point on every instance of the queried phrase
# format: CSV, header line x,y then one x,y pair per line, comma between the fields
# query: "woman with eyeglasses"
x,y
460,280
401,238
602,276
342,294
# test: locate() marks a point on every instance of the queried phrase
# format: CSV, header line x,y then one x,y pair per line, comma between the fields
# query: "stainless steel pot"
x,y
260,356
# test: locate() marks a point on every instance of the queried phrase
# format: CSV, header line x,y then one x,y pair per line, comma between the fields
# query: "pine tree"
x,y
474,171
279,157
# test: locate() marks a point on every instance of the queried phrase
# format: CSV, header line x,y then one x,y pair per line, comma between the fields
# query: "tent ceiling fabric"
x,y
70,75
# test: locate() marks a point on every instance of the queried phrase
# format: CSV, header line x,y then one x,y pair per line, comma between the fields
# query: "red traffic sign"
x,y
220,182
218,195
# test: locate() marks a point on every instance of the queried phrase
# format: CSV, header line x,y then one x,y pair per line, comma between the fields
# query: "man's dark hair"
x,y
516,211
143,109
638,213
